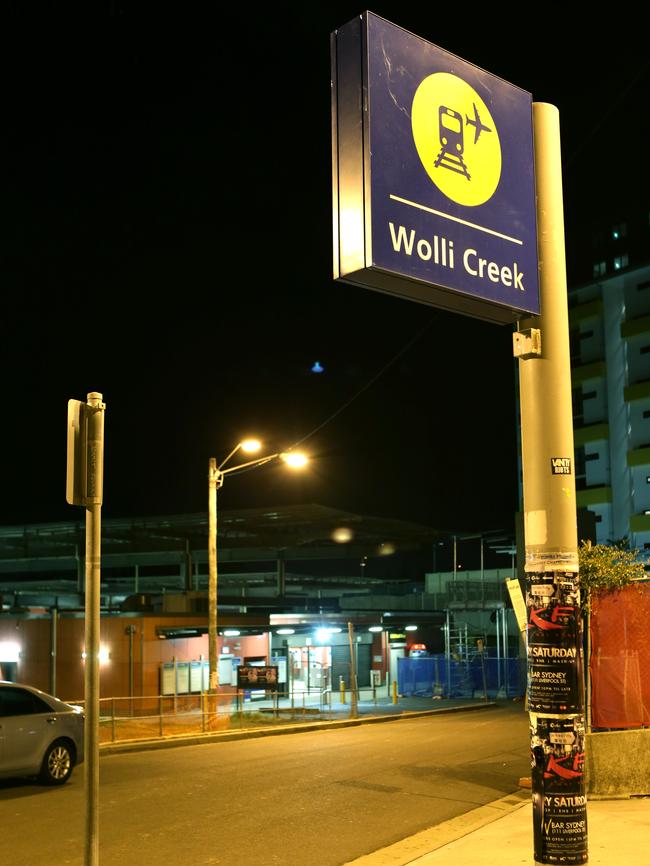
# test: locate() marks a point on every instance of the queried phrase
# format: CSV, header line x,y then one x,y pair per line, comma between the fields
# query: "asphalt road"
x,y
311,799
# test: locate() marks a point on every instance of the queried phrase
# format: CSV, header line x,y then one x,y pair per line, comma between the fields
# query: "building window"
x,y
600,269
595,456
599,518
646,414
590,395
619,231
621,262
644,350
584,335
642,286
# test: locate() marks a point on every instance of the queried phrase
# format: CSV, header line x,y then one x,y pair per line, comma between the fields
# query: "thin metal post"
x,y
354,695
448,650
496,625
93,502
113,719
54,622
556,703
160,713
588,670
130,630
175,704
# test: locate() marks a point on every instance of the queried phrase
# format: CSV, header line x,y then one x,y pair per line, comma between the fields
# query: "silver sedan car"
x,y
39,734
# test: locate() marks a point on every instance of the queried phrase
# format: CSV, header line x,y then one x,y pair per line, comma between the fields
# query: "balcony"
x,y
638,391
592,433
595,370
635,327
640,523
638,456
593,496
582,312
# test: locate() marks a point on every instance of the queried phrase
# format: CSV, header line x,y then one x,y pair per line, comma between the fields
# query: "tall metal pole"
x,y
354,694
213,484
54,622
93,502
555,681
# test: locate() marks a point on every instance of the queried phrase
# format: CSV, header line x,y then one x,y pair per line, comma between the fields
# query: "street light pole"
x,y
214,482
295,460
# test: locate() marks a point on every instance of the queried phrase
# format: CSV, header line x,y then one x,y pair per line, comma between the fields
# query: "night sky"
x,y
167,241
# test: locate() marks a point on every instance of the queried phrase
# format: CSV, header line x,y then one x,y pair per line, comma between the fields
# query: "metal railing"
x,y
160,716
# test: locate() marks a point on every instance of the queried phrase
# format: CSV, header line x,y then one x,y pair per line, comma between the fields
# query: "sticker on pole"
x,y
561,465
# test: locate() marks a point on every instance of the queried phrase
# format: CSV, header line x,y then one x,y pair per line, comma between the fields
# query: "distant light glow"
x,y
250,446
342,535
9,651
376,628
323,634
386,549
318,368
295,459
286,631
232,632
103,655
410,628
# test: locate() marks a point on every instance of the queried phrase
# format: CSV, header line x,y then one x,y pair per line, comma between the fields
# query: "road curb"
x,y
417,846
227,736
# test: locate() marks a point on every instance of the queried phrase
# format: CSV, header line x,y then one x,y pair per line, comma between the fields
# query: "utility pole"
x,y
554,646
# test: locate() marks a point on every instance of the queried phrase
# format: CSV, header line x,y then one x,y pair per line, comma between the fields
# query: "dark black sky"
x,y
167,241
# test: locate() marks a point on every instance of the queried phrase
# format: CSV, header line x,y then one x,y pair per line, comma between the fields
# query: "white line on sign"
x,y
456,219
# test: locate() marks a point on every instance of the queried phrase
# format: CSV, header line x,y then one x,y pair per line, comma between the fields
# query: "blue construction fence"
x,y
427,676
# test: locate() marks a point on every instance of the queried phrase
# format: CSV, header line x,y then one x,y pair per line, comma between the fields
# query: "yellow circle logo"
x,y
456,139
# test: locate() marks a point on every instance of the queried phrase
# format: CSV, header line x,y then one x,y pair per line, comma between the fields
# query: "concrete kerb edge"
x,y
414,849
300,728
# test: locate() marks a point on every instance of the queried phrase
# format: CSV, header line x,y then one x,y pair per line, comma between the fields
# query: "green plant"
x,y
607,567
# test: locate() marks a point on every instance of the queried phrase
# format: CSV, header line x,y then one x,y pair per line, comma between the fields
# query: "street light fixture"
x,y
216,474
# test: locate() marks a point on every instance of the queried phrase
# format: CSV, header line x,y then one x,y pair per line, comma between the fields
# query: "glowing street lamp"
x,y
216,474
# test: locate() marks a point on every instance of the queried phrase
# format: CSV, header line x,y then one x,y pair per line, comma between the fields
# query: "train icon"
x,y
452,138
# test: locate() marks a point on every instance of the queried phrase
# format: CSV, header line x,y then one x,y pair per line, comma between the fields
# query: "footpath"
x,y
499,834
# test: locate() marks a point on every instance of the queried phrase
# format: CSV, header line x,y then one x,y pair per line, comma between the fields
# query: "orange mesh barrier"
x,y
620,658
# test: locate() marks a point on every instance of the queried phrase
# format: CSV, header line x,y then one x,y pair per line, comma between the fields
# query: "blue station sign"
x,y
433,175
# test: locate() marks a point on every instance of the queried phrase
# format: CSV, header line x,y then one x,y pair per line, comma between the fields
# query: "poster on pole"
x,y
554,655
559,800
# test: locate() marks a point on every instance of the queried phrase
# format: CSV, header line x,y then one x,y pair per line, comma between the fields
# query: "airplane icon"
x,y
476,123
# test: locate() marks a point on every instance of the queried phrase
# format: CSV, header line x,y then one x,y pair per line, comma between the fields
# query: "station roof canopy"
x,y
253,534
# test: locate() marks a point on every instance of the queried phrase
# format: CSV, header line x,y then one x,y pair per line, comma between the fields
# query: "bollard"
x,y
342,689
394,692
113,719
